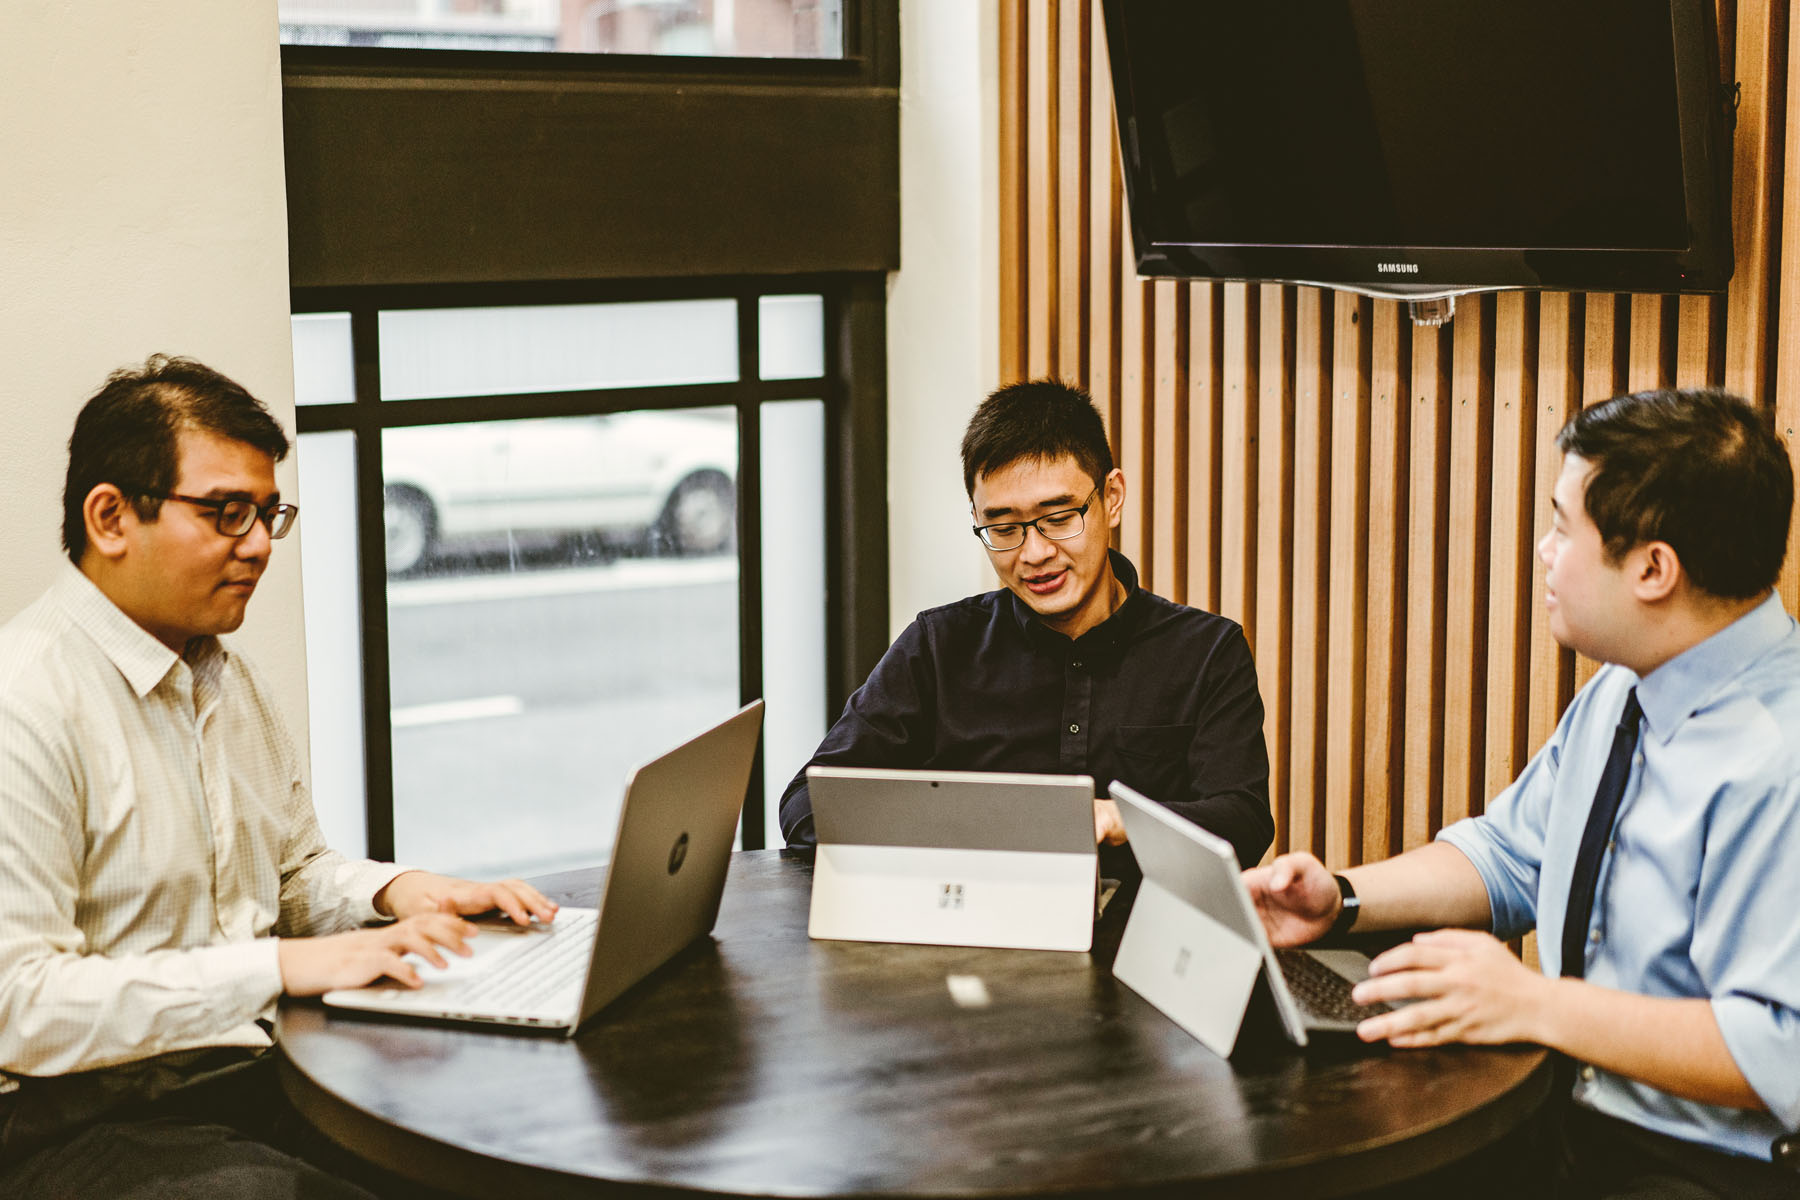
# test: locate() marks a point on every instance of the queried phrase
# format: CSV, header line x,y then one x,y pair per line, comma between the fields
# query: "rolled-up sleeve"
x,y
1746,943
1506,843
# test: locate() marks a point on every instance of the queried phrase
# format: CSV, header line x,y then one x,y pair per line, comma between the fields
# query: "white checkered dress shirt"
x,y
154,832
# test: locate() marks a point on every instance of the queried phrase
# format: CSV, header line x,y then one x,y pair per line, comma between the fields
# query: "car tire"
x,y
700,516
411,527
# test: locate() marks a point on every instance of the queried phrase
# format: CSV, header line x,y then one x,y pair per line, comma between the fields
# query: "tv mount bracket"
x,y
1432,312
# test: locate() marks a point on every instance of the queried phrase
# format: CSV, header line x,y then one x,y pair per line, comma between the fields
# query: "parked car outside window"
x,y
656,482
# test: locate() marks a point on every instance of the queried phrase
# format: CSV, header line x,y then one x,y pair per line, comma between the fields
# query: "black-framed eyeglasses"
x,y
235,517
1058,526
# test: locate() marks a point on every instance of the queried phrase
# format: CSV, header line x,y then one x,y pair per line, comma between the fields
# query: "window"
x,y
487,244
547,540
707,28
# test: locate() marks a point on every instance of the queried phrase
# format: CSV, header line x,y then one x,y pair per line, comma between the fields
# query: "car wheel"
x,y
700,516
411,525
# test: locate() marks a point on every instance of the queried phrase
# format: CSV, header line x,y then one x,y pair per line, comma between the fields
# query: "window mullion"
x,y
750,581
378,732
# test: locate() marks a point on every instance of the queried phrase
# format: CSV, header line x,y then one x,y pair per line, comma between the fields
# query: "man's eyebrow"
x,y
1063,501
242,494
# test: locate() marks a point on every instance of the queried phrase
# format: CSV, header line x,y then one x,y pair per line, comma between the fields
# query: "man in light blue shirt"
x,y
1678,999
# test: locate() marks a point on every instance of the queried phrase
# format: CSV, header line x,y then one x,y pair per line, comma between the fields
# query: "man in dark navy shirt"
x,y
1070,668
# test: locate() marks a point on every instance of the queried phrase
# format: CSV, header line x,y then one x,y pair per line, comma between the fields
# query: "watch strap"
x,y
1349,910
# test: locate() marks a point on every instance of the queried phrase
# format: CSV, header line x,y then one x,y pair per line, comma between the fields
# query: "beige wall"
x,y
943,304
142,210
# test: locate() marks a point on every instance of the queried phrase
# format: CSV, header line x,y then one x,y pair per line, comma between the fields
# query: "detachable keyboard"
x,y
1321,992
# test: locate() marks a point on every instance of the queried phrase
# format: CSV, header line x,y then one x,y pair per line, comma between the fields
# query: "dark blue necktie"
x,y
1595,837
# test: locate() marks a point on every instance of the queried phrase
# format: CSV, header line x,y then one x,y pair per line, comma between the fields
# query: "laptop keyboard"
x,y
1321,992
543,966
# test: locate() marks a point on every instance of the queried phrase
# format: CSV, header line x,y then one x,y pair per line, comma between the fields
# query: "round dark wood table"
x,y
762,1063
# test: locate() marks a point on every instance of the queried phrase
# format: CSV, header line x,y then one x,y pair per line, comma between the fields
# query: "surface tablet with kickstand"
x,y
954,858
1195,946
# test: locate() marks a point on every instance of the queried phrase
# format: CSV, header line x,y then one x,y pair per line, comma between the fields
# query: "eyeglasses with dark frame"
x,y
233,518
1058,526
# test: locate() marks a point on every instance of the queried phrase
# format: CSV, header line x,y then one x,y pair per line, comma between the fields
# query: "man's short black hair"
x,y
1702,470
128,434
1038,420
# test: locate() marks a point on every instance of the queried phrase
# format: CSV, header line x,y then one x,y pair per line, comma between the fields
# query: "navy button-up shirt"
x,y
1159,695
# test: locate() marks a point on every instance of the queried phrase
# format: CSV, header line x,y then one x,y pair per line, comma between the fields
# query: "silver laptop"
x,y
1195,946
953,858
662,889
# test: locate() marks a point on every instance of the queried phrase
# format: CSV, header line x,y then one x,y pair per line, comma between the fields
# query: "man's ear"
x,y
1112,494
105,513
1656,571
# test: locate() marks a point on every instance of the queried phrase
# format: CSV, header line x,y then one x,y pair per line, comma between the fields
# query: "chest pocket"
x,y
1153,759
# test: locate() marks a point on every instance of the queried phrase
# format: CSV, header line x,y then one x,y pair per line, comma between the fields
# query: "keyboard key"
x,y
1320,991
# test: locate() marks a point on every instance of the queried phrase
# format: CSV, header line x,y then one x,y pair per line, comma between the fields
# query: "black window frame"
x,y
852,389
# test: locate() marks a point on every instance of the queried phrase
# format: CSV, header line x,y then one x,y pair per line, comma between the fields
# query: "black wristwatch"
x,y
1350,910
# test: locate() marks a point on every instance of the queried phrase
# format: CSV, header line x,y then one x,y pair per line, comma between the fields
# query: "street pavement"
x,y
522,702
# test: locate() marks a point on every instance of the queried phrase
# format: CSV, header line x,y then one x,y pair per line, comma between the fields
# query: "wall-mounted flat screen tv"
x,y
1419,148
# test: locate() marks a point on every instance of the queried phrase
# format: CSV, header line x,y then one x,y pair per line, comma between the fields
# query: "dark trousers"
x,y
1598,1156
230,1135
1568,1152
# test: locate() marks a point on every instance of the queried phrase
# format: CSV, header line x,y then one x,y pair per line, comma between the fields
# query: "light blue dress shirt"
x,y
1696,896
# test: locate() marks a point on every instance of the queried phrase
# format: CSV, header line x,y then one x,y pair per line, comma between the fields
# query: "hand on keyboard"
x,y
413,892
529,968
312,966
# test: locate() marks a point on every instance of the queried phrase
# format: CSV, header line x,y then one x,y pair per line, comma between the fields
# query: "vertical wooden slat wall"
x,y
1363,495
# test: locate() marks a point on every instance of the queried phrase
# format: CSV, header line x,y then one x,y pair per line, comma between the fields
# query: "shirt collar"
x,y
1110,634
1681,687
140,658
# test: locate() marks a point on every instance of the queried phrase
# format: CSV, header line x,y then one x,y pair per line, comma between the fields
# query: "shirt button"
x,y
1587,1074
1074,729
1640,760
1076,663
1594,936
